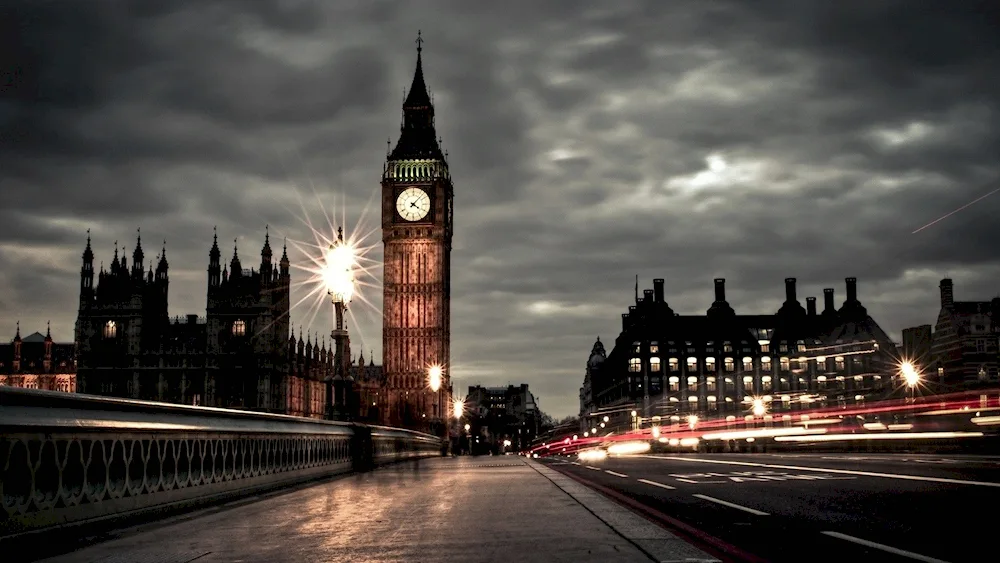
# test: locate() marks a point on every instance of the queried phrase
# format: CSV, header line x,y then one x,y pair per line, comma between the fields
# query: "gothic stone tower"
x,y
417,197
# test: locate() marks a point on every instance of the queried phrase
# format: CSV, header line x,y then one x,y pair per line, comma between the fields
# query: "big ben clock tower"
x,y
417,221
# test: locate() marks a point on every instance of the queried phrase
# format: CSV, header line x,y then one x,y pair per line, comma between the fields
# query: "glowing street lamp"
x,y
759,408
458,408
910,374
338,276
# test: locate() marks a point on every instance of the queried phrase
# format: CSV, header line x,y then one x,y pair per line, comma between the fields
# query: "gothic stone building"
x,y
242,354
417,196
715,365
38,362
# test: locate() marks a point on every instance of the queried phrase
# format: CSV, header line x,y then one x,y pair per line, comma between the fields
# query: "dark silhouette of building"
x,y
242,354
917,343
38,362
667,365
965,342
503,414
417,195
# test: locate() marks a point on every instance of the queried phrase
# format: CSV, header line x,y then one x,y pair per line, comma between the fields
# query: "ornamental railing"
x,y
69,459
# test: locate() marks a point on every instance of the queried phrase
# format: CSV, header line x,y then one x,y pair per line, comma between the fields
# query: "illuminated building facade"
x,y
715,365
38,362
417,196
966,341
242,354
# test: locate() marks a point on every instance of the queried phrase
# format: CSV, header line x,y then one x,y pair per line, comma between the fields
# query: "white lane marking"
x,y
592,467
829,470
687,481
609,472
575,462
731,505
655,484
886,548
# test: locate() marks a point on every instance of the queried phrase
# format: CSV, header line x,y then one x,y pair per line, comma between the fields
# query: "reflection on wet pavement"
x,y
442,509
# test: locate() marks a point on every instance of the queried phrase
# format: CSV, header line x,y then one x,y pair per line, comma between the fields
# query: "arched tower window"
x,y
240,328
110,329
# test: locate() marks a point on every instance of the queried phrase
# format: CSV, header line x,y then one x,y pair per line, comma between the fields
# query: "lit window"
x,y
783,364
766,382
692,364
821,360
636,347
692,399
710,382
783,347
654,364
710,364
765,345
801,345
634,365
747,363
765,363
747,380
727,346
675,383
674,364
110,329
654,348
730,365
840,363
239,328
692,383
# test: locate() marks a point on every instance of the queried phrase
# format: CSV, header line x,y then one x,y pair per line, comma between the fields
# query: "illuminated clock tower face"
x,y
413,204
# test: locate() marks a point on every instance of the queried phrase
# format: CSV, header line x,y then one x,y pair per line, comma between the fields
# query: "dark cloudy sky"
x,y
589,142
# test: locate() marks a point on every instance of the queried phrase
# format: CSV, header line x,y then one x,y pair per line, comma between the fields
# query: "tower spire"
x,y
417,140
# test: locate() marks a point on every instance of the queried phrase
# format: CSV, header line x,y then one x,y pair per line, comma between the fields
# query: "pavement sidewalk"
x,y
465,509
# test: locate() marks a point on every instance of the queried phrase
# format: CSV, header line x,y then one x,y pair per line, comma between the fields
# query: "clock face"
x,y
413,204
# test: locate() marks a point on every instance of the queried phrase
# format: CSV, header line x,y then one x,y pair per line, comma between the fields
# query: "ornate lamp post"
x,y
339,277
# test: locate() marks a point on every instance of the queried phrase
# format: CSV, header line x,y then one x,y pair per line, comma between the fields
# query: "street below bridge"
x,y
812,507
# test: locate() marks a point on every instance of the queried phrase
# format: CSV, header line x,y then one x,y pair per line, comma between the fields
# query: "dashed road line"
x,y
830,470
592,467
687,481
731,505
616,474
885,548
655,484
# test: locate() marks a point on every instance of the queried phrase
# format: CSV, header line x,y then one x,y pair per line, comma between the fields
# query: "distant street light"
x,y
759,408
458,408
692,421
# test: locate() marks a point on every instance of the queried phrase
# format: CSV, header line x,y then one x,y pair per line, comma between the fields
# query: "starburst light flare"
x,y
338,271
434,377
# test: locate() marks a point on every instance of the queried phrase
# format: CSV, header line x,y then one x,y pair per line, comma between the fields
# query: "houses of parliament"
x,y
241,354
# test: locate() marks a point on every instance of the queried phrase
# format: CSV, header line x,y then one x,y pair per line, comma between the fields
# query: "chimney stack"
x,y
647,296
624,322
720,289
852,289
811,306
658,290
828,306
789,289
947,293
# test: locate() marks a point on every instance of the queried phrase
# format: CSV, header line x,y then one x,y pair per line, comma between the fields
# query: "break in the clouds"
x,y
589,142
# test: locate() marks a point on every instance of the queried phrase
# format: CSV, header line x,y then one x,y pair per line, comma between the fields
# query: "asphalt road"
x,y
815,507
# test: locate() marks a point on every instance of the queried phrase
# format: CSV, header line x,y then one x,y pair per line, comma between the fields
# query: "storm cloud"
x,y
589,142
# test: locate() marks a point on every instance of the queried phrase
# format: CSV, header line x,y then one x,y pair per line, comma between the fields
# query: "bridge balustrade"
x,y
69,459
